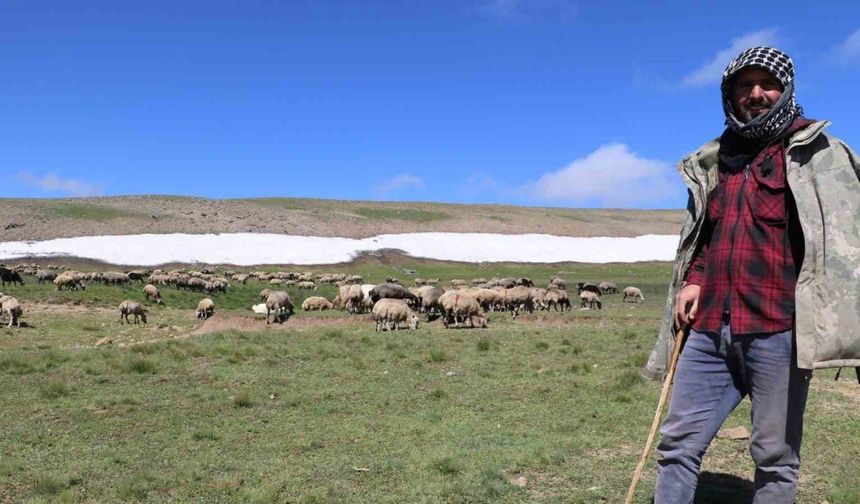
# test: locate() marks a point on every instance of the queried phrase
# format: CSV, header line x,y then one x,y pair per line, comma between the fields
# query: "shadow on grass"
x,y
719,488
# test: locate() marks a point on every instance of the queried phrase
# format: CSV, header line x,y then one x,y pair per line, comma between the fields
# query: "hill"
x,y
42,219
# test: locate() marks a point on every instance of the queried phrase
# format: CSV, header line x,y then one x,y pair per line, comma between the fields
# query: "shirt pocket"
x,y
767,202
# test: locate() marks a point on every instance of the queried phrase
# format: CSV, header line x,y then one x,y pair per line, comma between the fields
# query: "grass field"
x,y
324,409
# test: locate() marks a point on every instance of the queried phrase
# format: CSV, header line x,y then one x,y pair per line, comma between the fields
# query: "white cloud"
x,y
509,10
52,183
398,183
848,50
711,72
611,176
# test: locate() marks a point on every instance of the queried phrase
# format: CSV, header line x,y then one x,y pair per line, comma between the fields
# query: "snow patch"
x,y
246,249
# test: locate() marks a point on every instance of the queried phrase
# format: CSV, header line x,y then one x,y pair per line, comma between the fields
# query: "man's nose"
x,y
757,92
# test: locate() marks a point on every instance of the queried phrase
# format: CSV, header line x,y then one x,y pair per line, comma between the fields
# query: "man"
x,y
766,279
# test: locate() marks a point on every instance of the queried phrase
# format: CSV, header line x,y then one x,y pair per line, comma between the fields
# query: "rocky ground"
x,y
41,219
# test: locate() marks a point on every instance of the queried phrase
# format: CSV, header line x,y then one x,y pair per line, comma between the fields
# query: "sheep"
x,y
428,299
306,285
519,297
393,311
46,276
129,307
457,307
10,307
557,299
205,308
591,299
458,283
67,281
489,299
633,292
264,294
539,297
585,286
9,276
316,303
608,287
559,282
151,291
280,303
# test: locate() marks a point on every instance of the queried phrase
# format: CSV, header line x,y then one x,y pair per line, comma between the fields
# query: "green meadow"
x,y
547,408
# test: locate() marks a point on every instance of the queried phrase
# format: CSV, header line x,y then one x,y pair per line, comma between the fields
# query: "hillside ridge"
x,y
42,219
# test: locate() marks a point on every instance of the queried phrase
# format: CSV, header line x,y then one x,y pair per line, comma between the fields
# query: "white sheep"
x,y
205,308
10,307
151,291
633,292
316,303
393,311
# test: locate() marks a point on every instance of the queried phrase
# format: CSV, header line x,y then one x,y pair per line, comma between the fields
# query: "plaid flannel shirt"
x,y
748,261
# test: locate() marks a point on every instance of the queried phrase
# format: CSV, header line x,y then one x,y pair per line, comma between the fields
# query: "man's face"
x,y
754,92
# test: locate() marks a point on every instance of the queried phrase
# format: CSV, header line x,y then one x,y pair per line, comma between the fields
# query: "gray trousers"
x,y
714,373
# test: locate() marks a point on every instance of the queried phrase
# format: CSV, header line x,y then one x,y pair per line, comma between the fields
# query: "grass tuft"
x,y
483,344
438,356
54,389
243,399
447,466
140,365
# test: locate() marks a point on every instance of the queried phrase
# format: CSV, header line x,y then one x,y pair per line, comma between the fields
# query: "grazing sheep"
x,y
10,276
151,291
457,283
393,311
67,281
428,300
559,282
10,307
585,286
205,308
590,300
280,303
458,307
539,297
315,303
490,299
633,292
306,285
519,297
608,287
557,299
395,291
45,276
129,307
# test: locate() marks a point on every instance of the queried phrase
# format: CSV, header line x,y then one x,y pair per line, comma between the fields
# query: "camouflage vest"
x,y
823,175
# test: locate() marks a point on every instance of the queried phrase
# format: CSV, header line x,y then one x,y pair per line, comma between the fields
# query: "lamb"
x,y
608,287
129,307
280,303
10,307
205,308
633,292
393,311
590,299
151,291
316,303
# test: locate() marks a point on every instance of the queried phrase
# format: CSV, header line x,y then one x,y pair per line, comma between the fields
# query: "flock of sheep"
x,y
391,304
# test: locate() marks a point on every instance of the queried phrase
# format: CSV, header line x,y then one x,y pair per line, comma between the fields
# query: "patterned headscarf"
x,y
776,121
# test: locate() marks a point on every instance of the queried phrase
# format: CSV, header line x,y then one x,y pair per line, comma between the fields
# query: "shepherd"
x,y
765,279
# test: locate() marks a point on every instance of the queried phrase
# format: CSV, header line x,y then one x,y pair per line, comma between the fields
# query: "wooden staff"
x,y
667,384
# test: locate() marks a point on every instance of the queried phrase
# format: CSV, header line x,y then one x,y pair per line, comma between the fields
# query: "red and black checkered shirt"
x,y
752,247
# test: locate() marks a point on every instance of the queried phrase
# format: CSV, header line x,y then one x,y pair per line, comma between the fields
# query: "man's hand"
x,y
686,305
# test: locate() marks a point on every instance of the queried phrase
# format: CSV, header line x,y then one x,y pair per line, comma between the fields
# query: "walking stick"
x,y
667,383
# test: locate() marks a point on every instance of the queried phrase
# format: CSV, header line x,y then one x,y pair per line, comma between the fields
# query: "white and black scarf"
x,y
778,119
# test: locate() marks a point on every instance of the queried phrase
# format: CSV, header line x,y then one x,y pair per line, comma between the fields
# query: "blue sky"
x,y
533,102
